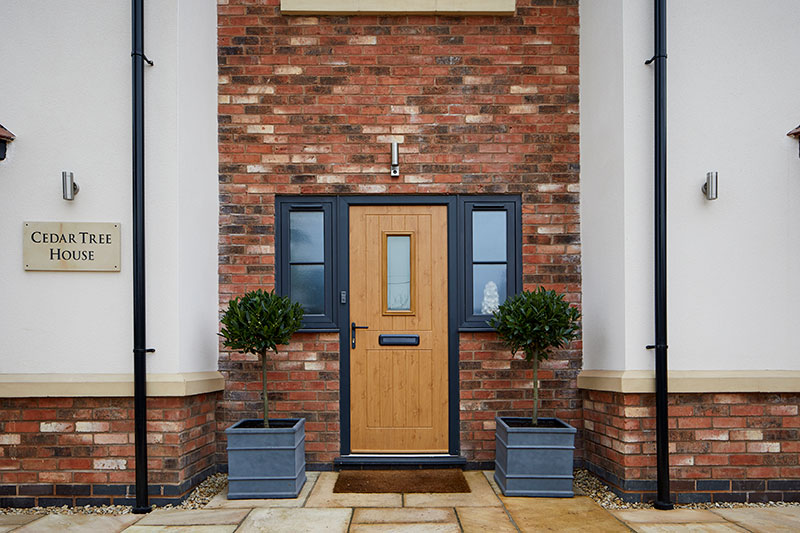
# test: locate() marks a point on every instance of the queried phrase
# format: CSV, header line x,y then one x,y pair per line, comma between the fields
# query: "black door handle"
x,y
353,329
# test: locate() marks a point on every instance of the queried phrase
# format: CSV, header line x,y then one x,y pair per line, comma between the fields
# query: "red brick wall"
x,y
78,451
303,381
494,383
481,105
723,447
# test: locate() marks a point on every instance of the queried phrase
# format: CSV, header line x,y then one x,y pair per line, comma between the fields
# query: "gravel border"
x,y
594,488
200,496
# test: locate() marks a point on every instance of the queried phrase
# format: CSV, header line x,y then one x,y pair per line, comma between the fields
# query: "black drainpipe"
x,y
663,500
140,349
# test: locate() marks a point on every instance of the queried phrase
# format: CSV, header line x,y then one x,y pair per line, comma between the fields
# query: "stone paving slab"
x,y
405,528
403,515
56,523
221,501
481,495
182,529
764,520
18,519
702,527
196,517
302,520
675,516
580,513
322,495
483,519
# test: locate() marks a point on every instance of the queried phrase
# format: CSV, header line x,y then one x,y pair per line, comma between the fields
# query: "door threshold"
x,y
359,461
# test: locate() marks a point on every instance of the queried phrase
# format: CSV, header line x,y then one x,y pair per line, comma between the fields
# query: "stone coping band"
x,y
107,385
692,381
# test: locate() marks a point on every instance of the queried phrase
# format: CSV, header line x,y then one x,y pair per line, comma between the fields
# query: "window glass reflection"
x,y
307,286
489,236
489,288
306,234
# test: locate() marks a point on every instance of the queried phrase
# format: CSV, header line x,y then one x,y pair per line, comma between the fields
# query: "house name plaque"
x,y
71,246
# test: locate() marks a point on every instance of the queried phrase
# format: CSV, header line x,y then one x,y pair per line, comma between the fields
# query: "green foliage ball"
x,y
259,321
535,321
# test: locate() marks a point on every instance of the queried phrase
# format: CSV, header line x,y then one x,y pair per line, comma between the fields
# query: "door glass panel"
x,y
398,272
306,234
489,236
307,287
488,288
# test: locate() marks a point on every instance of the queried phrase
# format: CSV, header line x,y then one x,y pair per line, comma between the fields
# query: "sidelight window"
x,y
491,255
305,266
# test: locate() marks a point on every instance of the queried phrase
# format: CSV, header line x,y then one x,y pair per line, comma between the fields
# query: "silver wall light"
x,y
68,186
395,172
710,186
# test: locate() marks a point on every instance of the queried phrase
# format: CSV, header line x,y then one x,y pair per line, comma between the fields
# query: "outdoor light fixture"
x,y
68,186
395,172
710,186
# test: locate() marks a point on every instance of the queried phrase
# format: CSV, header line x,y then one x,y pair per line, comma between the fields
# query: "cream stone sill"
x,y
643,381
392,7
120,385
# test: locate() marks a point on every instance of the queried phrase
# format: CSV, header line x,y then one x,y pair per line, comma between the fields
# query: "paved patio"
x,y
483,510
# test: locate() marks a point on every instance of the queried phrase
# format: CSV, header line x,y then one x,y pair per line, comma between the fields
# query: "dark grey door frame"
x,y
342,243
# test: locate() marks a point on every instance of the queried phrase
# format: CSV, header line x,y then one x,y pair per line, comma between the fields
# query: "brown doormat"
x,y
416,481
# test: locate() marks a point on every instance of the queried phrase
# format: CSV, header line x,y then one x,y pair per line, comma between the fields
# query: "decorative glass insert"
x,y
307,260
489,260
398,272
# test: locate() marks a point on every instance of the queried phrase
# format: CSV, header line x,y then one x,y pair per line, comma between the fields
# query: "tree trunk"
x,y
535,419
264,382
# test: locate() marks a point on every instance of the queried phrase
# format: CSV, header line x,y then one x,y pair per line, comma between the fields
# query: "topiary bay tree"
x,y
258,322
533,323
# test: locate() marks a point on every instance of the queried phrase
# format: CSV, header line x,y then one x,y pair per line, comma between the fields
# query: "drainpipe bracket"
x,y
140,54
654,58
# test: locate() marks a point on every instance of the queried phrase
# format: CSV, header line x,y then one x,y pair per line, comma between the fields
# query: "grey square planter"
x,y
534,461
266,462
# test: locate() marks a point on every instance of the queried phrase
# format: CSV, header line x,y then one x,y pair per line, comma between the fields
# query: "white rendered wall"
x,y
733,263
602,172
65,91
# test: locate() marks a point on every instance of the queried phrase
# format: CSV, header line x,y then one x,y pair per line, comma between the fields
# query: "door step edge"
x,y
397,462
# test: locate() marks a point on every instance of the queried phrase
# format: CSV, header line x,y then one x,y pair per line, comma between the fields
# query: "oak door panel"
x,y
399,398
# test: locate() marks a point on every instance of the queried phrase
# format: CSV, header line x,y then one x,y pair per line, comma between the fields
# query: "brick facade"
x,y
480,105
80,451
303,380
493,383
723,447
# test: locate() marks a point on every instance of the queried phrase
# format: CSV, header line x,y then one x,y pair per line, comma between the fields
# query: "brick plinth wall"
x,y
80,451
723,447
479,104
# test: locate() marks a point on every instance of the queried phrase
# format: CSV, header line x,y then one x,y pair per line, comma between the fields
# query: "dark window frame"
x,y
328,320
465,205
512,205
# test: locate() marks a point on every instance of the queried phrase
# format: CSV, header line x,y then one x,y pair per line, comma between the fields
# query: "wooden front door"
x,y
398,366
